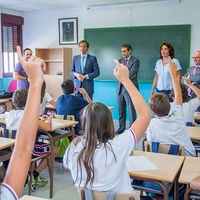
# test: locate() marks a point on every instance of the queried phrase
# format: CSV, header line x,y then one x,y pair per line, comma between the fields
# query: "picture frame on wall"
x,y
68,30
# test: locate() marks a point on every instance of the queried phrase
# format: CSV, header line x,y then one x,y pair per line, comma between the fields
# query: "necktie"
x,y
126,61
82,63
194,73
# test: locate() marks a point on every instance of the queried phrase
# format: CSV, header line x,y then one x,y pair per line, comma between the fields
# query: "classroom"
x,y
96,20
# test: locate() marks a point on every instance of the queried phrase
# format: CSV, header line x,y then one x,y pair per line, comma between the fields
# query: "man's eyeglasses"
x,y
195,57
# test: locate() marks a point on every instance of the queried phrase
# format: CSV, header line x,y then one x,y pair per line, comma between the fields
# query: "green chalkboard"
x,y
105,44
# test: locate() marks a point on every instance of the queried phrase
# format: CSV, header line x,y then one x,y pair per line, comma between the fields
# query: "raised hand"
x,y
121,72
186,81
172,67
34,68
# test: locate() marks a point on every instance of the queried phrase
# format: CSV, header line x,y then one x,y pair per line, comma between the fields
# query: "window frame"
x,y
11,21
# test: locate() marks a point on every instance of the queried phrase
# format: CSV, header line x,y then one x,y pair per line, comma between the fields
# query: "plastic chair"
x,y
96,195
12,85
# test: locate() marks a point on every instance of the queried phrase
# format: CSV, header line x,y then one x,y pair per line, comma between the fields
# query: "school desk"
x,y
53,137
27,197
194,133
190,170
50,107
168,170
4,143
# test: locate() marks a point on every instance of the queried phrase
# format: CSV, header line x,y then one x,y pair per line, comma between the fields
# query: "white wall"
x,y
41,27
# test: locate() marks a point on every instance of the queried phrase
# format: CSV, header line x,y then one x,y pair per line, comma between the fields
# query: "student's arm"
x,y
155,80
144,115
195,183
20,159
83,91
175,83
19,77
178,75
195,89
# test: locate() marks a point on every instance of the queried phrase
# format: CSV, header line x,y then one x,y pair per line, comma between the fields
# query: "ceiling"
x,y
29,5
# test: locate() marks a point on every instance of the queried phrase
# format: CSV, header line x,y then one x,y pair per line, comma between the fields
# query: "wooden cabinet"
x,y
58,61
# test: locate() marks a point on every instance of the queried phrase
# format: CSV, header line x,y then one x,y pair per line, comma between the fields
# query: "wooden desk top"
x,y
194,132
5,100
191,169
168,166
27,197
6,142
61,123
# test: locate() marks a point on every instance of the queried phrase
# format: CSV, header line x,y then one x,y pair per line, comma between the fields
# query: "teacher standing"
x,y
123,97
162,79
84,69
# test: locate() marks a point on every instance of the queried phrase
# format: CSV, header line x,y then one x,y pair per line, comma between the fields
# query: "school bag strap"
x,y
154,146
174,149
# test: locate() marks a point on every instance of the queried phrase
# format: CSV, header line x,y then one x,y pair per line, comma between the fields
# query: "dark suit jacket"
x,y
133,66
91,69
195,79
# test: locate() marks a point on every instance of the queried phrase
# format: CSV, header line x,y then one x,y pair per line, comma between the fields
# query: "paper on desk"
x,y
54,123
139,163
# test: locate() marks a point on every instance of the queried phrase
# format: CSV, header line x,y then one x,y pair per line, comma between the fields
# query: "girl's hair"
x,y
43,91
97,124
171,49
184,94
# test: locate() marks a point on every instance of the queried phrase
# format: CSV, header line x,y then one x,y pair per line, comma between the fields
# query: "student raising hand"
x,y
19,164
34,67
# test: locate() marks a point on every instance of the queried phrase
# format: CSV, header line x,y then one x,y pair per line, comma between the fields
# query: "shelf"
x,y
54,61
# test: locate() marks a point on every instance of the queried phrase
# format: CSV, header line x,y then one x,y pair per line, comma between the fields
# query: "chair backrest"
x,y
96,195
164,148
12,85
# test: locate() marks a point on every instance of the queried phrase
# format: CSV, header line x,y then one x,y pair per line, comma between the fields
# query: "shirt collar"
x,y
84,55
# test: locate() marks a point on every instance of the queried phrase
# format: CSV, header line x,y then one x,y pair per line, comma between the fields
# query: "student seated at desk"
x,y
45,98
69,104
13,119
16,174
189,106
169,127
97,159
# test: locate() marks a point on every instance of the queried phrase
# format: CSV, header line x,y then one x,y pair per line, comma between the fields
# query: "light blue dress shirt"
x,y
164,78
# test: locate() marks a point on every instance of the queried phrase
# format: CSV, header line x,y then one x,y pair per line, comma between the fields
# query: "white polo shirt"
x,y
110,174
6,192
171,129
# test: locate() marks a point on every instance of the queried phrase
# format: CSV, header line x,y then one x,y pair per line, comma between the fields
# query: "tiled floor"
x,y
63,185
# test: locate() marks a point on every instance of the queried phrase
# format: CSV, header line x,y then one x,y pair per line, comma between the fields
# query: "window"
x,y
11,37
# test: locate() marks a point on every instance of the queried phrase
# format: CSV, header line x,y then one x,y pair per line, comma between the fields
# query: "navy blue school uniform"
x,y
68,104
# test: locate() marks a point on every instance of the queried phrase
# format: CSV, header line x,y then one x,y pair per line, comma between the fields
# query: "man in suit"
x,y
123,97
84,69
193,74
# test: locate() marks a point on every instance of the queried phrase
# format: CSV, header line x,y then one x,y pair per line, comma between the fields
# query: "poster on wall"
x,y
68,30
